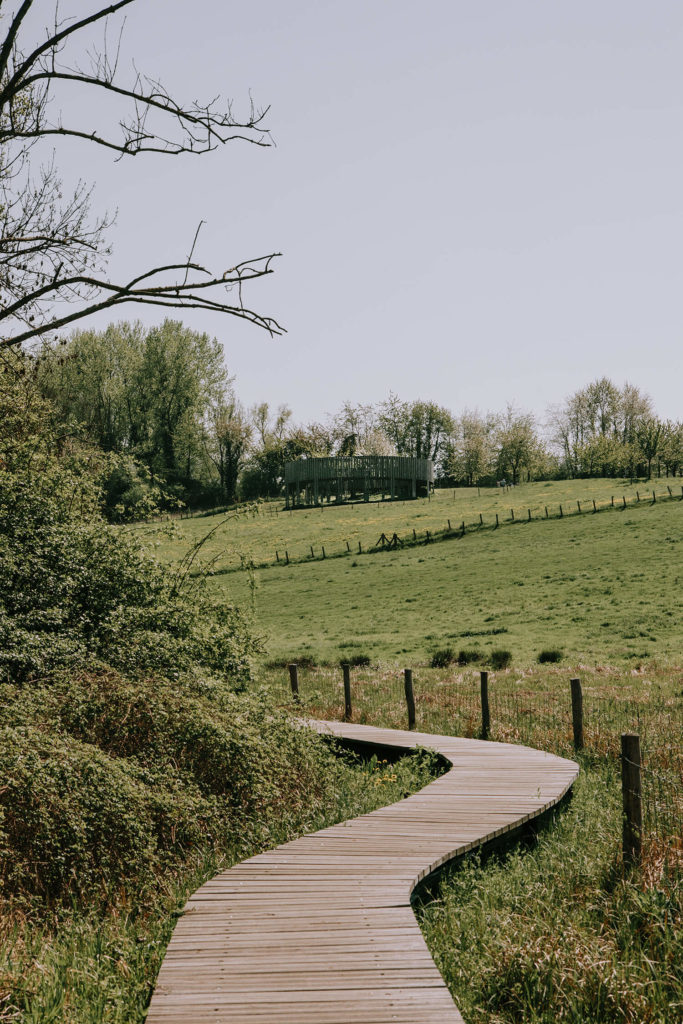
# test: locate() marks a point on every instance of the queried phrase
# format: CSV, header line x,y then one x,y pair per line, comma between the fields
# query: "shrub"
x,y
443,658
551,655
500,658
356,660
469,656
111,783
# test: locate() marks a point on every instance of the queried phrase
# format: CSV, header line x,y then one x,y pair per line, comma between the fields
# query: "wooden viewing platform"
x,y
348,478
321,930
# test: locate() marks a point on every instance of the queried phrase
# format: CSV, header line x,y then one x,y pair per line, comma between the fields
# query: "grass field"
x,y
562,932
262,532
602,588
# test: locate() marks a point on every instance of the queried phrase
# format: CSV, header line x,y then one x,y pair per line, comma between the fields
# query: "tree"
x,y
471,451
226,440
647,435
356,430
157,396
53,252
93,381
516,442
595,429
671,447
182,372
419,429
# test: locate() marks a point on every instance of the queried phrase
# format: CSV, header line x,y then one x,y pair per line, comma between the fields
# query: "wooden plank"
x,y
321,930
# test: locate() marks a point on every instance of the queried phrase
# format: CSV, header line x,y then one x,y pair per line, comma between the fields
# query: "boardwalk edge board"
x,y
321,930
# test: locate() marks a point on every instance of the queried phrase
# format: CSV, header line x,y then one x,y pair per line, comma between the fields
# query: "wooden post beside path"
x,y
294,680
346,669
577,713
631,798
485,713
410,696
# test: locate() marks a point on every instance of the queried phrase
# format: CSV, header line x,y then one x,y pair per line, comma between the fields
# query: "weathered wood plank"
x,y
320,930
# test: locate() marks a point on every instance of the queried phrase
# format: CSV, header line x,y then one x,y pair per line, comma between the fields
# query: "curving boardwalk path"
x,y
321,930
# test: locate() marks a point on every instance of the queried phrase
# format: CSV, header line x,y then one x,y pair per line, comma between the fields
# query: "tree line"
x,y
163,403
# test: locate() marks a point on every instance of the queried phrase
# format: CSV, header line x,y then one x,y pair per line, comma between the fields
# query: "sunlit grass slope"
x,y
600,587
257,536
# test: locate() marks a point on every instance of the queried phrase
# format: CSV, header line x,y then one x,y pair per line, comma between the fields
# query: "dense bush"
x,y
123,745
442,658
356,660
109,781
73,589
500,658
550,656
468,656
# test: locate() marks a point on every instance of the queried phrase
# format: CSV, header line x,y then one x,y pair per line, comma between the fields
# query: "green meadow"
x,y
601,588
260,533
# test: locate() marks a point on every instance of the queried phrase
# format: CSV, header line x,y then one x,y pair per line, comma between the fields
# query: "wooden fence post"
x,y
623,498
529,511
294,680
578,504
481,519
485,713
577,713
631,797
595,509
561,514
546,511
497,519
410,696
286,557
323,550
346,669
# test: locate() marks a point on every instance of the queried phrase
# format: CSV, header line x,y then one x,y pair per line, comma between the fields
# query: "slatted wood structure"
x,y
312,481
321,930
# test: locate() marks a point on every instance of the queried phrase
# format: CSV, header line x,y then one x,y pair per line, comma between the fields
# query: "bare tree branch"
x,y
51,251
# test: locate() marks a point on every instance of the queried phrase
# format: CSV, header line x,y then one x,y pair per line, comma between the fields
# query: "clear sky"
x,y
477,202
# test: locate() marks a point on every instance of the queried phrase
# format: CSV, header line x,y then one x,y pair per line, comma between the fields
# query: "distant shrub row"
x,y
497,659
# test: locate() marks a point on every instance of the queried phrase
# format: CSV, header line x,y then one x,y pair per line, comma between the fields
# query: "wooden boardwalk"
x,y
321,930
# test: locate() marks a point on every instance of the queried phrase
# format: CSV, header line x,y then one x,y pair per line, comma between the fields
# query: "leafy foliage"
x,y
72,589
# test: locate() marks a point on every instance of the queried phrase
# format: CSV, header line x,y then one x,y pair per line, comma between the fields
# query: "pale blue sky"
x,y
477,202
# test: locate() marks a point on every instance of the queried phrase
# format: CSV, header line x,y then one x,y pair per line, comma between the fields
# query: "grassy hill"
x,y
600,587
261,533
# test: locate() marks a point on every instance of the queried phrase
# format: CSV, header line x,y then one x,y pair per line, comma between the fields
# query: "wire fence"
x,y
296,552
517,714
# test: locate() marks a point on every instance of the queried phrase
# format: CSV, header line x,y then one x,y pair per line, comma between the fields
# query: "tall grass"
x,y
561,932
